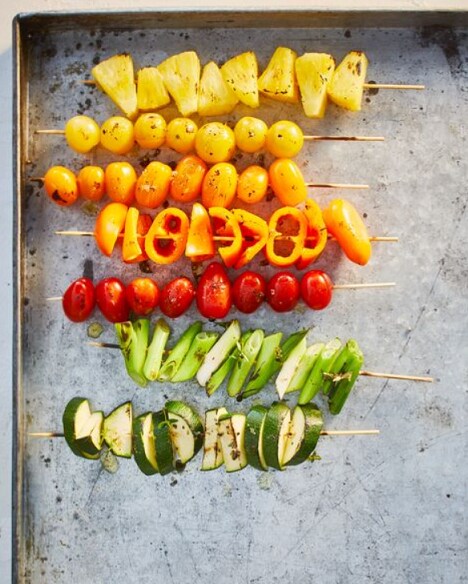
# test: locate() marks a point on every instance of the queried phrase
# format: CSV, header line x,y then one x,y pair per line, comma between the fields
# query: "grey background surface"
x,y
373,510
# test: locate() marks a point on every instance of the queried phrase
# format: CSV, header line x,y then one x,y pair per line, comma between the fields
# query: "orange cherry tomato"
x,y
219,185
165,241
61,186
252,185
345,224
91,183
153,185
287,182
109,224
188,179
120,179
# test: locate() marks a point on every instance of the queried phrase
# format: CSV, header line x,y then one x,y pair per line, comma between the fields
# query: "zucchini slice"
x,y
275,434
144,448
186,430
212,453
313,426
117,430
232,439
163,442
82,428
255,424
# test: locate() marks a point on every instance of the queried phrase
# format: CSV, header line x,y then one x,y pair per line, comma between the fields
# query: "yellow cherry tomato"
x,y
215,142
61,186
219,185
344,222
91,183
153,184
120,178
252,185
180,135
150,131
117,135
284,139
82,134
250,134
287,182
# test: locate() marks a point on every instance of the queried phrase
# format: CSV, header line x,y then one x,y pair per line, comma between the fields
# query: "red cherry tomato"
x,y
316,289
176,297
79,300
248,291
112,300
283,291
142,296
214,297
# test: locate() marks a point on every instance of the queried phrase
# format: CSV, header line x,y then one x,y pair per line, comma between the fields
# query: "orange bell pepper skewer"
x,y
225,225
136,227
254,231
317,235
287,233
109,224
344,222
166,240
200,244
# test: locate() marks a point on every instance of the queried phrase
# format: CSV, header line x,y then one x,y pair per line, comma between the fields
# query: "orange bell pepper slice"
x,y
345,224
136,227
287,233
316,237
165,241
226,225
254,231
109,224
200,244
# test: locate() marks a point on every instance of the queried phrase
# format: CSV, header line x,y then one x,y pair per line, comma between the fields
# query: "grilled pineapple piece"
x,y
347,84
313,72
241,74
151,91
181,74
215,97
278,81
116,78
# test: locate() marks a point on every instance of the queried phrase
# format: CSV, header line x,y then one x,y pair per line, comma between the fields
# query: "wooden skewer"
x,y
397,86
420,378
322,433
75,233
335,186
335,287
392,86
54,132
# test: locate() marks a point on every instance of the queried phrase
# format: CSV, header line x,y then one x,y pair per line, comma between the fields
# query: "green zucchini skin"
x,y
80,447
164,448
117,430
271,433
253,431
313,427
139,452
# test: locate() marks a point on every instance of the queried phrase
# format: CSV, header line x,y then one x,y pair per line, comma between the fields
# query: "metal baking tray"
x,y
387,509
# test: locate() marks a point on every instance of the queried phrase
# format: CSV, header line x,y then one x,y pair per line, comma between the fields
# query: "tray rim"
x,y
24,22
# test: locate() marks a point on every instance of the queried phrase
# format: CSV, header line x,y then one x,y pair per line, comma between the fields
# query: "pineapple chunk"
x,y
313,72
278,81
151,91
347,84
215,97
241,74
181,74
116,78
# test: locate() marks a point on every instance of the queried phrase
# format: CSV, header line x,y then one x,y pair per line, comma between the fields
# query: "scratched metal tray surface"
x,y
385,509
